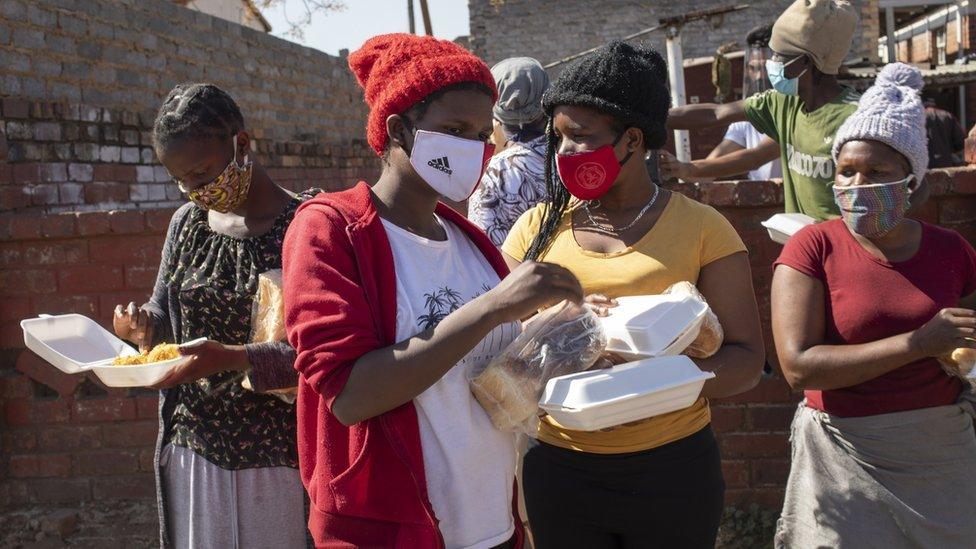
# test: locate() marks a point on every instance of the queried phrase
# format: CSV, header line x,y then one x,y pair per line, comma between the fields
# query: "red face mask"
x,y
589,175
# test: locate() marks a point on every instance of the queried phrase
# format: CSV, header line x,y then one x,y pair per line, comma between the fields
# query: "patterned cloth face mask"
x,y
227,191
873,210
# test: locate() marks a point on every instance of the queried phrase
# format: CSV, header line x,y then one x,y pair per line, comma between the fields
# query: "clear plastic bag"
x,y
961,363
563,339
711,335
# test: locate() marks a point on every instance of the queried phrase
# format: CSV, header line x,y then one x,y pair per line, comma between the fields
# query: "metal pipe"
x,y
676,74
425,13
890,33
413,23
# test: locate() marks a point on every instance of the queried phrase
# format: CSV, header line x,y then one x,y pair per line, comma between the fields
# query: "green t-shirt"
x,y
805,140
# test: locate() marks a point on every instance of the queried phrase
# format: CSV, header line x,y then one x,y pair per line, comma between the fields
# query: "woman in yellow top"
x,y
656,482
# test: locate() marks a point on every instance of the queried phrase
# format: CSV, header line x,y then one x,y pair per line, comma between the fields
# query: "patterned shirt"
x,y
513,183
212,279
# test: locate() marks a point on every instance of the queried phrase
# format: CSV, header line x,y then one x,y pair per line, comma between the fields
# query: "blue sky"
x,y
365,18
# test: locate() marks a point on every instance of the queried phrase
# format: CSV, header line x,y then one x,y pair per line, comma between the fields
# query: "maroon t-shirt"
x,y
868,299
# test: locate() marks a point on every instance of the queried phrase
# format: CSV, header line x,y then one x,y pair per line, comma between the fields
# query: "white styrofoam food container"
x,y
784,225
653,325
597,399
74,343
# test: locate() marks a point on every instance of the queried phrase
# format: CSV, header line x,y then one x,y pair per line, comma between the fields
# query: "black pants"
x,y
669,497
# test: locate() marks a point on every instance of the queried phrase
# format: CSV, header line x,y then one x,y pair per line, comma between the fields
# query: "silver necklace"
x,y
610,228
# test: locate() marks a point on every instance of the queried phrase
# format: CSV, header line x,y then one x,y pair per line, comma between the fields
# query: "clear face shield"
x,y
754,77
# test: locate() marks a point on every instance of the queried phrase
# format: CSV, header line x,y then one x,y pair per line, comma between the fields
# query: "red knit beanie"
x,y
399,70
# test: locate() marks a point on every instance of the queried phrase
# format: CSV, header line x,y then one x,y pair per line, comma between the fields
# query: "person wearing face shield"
x,y
883,443
391,299
226,463
743,149
807,105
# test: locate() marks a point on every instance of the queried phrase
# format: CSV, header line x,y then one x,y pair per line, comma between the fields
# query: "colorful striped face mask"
x,y
873,210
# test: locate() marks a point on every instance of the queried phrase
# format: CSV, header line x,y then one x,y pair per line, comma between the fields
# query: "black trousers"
x,y
670,497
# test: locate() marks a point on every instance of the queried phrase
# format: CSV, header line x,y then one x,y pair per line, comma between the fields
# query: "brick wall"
x,y
550,31
67,440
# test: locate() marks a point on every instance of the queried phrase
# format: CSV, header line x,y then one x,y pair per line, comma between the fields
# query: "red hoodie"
x,y
366,482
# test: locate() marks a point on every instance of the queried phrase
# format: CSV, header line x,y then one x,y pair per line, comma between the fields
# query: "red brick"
x,y
104,409
140,278
964,180
11,253
40,371
23,412
147,407
749,445
939,182
106,462
54,253
135,250
20,441
770,472
139,486
15,309
12,198
147,460
131,433
158,220
6,173
68,490
39,466
63,304
770,418
16,108
24,227
13,494
769,390
125,222
119,173
736,474
27,281
90,278
766,498
58,225
93,223
66,438
957,211
727,418
15,386
27,172
101,192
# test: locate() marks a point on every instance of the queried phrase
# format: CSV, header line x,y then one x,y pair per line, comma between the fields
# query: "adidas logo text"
x,y
441,164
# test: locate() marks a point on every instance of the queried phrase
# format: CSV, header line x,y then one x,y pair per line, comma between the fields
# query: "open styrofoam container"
x,y
597,399
784,225
74,343
653,325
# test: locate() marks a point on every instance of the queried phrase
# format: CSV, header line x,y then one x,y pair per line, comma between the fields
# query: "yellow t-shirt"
x,y
687,236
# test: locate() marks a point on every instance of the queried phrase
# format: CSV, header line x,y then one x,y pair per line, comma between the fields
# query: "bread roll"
x,y
268,313
711,335
507,397
960,363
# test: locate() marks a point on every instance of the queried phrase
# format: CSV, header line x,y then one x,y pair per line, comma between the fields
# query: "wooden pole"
x,y
426,15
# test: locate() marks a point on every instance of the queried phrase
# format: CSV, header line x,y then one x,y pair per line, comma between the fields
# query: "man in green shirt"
x,y
809,42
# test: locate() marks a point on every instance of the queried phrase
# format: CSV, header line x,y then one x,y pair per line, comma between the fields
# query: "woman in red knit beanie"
x,y
391,298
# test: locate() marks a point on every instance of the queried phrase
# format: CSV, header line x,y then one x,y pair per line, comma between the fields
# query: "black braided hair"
x,y
193,111
628,83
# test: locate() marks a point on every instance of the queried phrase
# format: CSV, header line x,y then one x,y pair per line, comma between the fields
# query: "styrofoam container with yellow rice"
x,y
74,343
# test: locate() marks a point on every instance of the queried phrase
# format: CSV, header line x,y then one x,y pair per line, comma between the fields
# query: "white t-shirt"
x,y
745,135
469,465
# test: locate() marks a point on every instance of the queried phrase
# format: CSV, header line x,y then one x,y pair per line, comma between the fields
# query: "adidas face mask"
x,y
451,165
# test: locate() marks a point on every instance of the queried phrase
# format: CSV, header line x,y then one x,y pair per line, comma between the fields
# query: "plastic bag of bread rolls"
x,y
710,338
268,322
961,363
563,339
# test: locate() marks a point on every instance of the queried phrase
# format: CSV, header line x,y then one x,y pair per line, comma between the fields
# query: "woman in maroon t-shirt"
x,y
884,451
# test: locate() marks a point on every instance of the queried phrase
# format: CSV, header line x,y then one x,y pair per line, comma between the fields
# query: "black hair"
x,y
629,84
760,36
198,110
